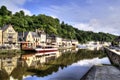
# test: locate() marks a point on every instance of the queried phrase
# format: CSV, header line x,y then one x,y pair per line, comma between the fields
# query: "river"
x,y
72,72
70,65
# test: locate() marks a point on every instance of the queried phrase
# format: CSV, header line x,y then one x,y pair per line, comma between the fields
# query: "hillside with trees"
x,y
22,22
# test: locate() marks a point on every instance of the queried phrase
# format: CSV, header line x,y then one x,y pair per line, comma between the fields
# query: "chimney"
x,y
22,34
36,30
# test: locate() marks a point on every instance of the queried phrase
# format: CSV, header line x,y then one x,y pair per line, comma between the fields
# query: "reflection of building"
x,y
0,64
29,59
32,59
8,63
9,35
47,56
40,58
58,54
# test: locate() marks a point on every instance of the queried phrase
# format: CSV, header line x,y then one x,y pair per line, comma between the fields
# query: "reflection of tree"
x,y
47,71
64,60
18,72
3,75
52,66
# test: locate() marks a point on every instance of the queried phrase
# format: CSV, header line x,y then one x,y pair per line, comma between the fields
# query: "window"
x,y
10,30
9,62
10,37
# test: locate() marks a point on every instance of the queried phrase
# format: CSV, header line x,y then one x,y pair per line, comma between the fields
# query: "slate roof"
x,y
23,35
34,34
5,27
39,33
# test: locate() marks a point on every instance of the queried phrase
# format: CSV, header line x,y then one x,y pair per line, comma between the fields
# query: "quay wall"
x,y
113,57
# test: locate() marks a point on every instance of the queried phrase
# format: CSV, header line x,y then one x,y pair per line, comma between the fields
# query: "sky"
x,y
88,15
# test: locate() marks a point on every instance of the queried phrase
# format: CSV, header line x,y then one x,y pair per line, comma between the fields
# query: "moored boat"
x,y
45,49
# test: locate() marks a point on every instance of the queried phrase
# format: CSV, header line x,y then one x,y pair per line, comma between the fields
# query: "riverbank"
x,y
10,51
102,72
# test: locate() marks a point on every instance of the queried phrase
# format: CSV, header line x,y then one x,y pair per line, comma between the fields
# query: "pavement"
x,y
103,72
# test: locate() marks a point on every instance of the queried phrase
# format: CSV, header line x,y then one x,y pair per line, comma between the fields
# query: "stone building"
x,y
9,35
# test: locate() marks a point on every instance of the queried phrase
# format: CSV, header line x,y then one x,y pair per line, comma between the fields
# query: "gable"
x,y
29,37
8,29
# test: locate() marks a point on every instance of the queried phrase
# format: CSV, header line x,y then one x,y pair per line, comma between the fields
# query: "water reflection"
x,y
52,64
8,63
35,59
72,72
90,47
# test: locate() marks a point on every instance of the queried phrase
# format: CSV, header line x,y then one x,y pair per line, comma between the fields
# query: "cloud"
x,y
70,12
54,16
90,15
97,16
98,26
15,5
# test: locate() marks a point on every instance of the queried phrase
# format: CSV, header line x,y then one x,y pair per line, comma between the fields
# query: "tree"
x,y
3,11
51,25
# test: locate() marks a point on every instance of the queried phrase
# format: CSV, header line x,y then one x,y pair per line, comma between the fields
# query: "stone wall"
x,y
113,57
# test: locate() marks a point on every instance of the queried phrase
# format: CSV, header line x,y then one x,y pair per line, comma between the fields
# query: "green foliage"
x,y
51,25
20,72
3,75
4,11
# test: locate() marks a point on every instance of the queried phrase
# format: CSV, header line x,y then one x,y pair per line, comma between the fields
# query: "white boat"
x,y
45,53
45,49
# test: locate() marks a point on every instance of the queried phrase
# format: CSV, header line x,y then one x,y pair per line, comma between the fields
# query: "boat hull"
x,y
45,50
28,49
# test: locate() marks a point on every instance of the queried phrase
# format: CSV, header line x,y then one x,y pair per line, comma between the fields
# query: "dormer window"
x,y
9,30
